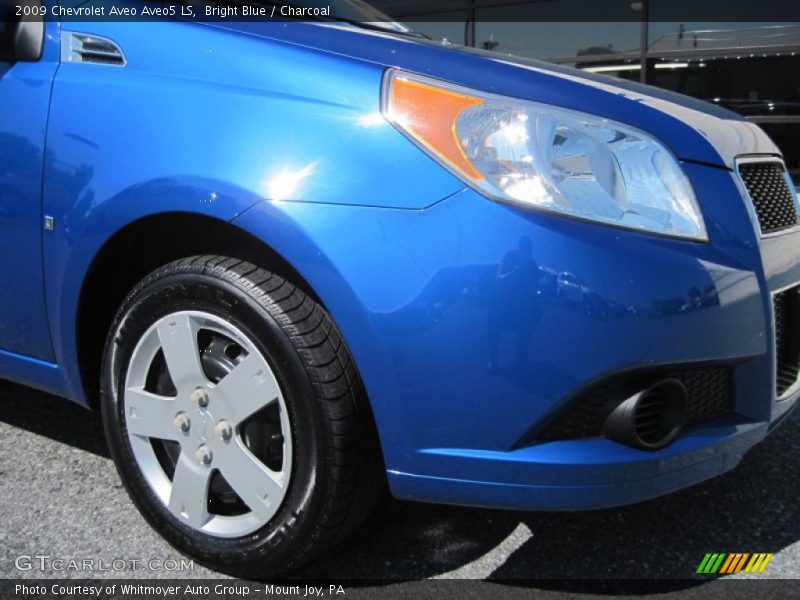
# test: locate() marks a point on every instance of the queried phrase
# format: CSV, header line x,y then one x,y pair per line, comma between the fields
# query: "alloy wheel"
x,y
207,424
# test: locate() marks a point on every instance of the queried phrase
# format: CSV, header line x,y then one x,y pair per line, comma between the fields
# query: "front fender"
x,y
209,122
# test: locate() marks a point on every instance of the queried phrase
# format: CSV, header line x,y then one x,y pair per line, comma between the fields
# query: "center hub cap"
x,y
205,429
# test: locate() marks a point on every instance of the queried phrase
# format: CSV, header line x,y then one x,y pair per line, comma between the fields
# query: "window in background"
x,y
754,85
553,40
629,69
532,28
437,19
700,36
453,27
748,66
764,88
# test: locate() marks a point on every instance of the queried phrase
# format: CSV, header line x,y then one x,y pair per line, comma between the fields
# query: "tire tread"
x,y
354,476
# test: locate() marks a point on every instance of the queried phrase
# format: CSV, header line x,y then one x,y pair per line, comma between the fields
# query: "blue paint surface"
x,y
471,321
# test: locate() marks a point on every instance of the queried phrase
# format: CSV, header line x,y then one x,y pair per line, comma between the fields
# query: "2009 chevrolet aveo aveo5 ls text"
x,y
290,262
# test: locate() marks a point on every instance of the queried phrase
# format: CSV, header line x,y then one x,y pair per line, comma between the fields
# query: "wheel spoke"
x,y
178,337
249,387
255,484
205,418
188,499
150,415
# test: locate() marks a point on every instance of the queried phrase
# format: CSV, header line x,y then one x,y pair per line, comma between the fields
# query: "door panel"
x,y
24,103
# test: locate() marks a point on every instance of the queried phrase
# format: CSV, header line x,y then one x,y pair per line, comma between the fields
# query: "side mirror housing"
x,y
21,37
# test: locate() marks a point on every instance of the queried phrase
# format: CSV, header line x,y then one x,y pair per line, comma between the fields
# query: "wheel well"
x,y
142,247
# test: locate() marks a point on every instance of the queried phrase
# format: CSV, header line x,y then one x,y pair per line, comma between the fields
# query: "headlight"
x,y
546,158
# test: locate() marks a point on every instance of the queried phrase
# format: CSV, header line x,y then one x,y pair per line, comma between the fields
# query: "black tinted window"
x,y
754,85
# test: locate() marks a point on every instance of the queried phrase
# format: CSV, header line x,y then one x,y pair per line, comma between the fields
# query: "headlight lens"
x,y
545,157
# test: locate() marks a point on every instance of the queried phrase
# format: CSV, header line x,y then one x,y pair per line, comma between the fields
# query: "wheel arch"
x,y
138,248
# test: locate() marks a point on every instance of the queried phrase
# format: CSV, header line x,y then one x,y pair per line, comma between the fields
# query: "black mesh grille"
x,y
101,57
709,391
96,45
710,394
772,198
787,338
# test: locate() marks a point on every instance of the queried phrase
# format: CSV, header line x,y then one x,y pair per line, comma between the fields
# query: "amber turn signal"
x,y
428,115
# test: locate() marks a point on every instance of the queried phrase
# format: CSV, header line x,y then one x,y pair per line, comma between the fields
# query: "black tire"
x,y
337,471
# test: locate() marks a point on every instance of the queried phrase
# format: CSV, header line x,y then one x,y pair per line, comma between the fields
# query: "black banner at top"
x,y
377,11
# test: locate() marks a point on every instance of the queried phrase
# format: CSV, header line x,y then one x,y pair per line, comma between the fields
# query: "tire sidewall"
x,y
156,297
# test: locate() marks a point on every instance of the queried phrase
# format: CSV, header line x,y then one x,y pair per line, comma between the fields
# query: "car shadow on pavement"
x,y
653,546
52,417
751,509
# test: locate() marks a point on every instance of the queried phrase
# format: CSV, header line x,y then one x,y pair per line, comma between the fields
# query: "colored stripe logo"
x,y
735,562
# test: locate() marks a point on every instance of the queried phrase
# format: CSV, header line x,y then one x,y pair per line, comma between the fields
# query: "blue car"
x,y
294,263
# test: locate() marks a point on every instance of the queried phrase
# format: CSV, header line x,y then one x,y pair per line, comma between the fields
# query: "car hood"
x,y
694,130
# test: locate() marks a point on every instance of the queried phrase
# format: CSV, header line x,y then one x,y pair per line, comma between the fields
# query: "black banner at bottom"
x,y
232,589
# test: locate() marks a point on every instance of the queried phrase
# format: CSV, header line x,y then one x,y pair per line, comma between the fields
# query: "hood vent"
x,y
84,48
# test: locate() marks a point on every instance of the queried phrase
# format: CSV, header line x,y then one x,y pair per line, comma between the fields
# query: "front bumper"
x,y
473,322
589,474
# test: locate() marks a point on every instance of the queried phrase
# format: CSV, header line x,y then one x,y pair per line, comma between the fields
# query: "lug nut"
x,y
200,397
224,430
204,455
183,422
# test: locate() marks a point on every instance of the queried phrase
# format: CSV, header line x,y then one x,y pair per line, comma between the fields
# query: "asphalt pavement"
x,y
60,497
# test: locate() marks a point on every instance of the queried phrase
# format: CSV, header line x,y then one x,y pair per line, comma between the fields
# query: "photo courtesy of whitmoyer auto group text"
x,y
399,299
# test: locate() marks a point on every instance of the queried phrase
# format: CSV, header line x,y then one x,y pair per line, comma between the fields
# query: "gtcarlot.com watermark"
x,y
61,564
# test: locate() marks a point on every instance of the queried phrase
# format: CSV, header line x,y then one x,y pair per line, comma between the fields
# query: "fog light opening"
x,y
650,419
